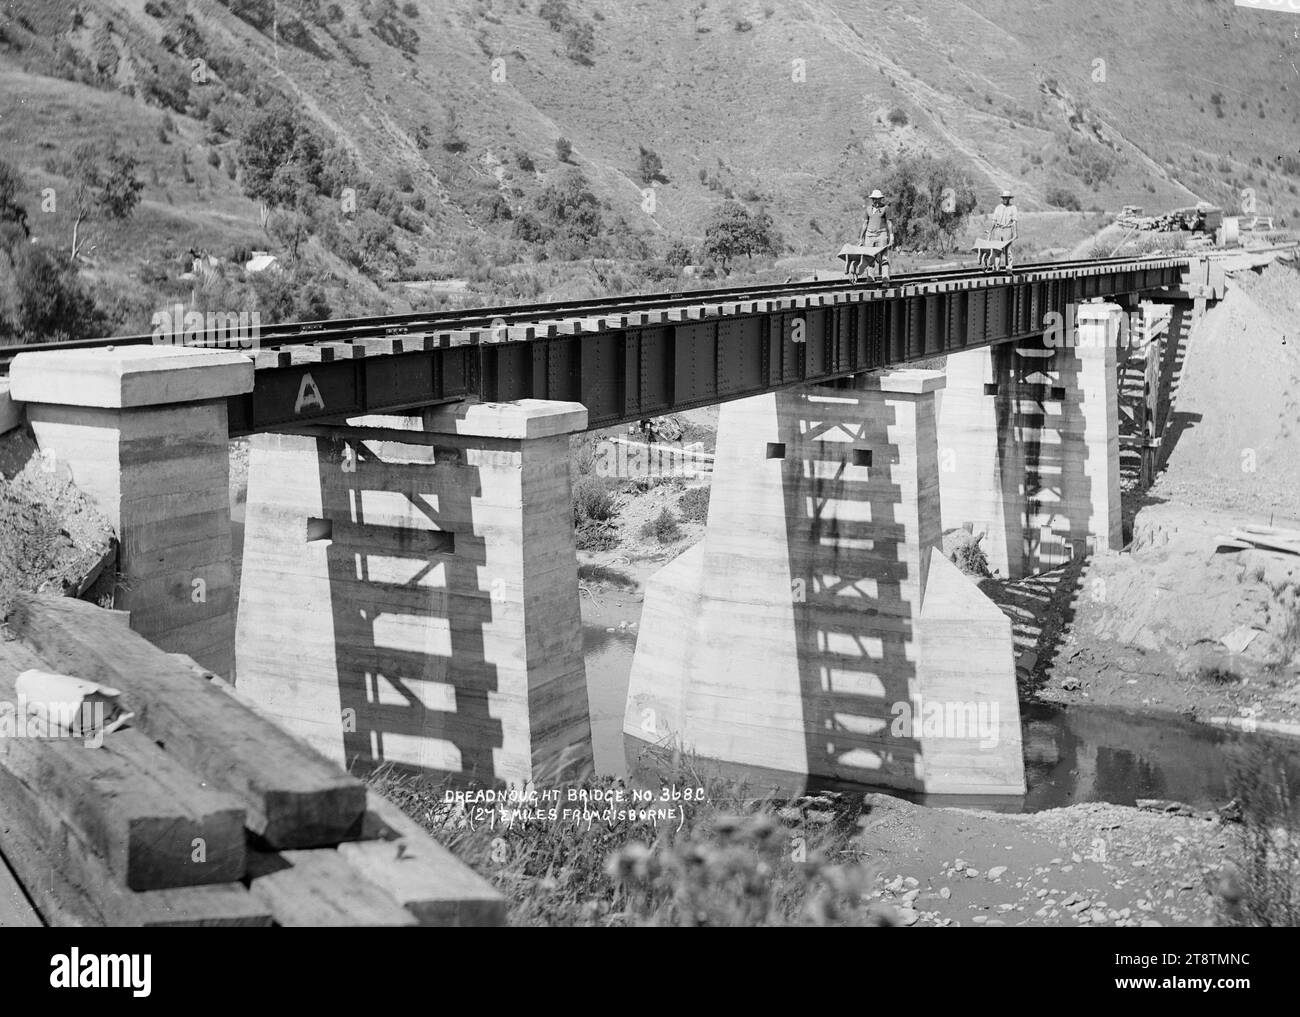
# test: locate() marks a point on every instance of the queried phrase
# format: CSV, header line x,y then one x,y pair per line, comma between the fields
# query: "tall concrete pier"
x,y
1029,446
409,591
817,630
142,431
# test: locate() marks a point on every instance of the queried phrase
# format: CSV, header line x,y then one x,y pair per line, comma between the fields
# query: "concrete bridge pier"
x,y
817,631
142,431
1029,446
409,591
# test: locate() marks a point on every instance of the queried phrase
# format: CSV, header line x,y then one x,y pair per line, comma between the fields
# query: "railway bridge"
x,y
408,590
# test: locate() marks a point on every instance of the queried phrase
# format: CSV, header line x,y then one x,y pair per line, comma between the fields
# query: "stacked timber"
x,y
203,811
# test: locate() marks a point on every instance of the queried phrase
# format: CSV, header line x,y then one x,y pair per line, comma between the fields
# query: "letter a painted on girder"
x,y
308,395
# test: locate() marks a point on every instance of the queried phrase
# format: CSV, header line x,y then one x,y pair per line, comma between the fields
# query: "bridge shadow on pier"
x,y
855,630
411,610
1043,461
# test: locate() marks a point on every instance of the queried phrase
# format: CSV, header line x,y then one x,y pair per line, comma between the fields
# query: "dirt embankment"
x,y
1171,624
1233,439
52,539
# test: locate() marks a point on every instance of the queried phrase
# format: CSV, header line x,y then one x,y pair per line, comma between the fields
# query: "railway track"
x,y
276,344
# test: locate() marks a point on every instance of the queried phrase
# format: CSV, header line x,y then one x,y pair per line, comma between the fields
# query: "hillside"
x,y
455,107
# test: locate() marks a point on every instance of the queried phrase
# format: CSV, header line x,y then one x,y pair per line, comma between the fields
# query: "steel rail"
x,y
487,318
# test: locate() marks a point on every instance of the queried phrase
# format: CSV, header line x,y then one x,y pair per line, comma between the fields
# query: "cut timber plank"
x,y
133,804
419,873
439,889
314,888
71,886
294,796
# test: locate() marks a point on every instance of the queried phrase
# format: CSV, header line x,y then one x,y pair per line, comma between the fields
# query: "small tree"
x,y
563,149
452,139
46,300
649,166
104,187
572,212
678,254
11,185
929,200
733,230
1059,197
271,141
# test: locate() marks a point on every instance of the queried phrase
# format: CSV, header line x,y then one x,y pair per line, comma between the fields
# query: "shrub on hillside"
x,y
555,13
579,42
594,536
664,528
678,254
592,501
898,116
563,149
1059,197
42,299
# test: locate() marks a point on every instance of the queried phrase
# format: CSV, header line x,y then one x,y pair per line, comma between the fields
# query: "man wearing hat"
x,y
1004,228
878,231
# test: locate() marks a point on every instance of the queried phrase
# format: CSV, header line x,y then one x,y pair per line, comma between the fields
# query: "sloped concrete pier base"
x,y
1029,447
817,627
410,594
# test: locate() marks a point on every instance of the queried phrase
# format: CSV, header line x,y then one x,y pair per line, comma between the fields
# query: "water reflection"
x,y
1075,754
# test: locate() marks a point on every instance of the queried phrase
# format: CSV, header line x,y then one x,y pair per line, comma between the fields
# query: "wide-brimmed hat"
x,y
875,194
1007,194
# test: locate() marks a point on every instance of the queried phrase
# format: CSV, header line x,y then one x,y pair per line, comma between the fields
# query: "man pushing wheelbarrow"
x,y
1004,229
870,255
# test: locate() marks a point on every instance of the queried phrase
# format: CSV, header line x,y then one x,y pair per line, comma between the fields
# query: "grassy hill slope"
x,y
786,106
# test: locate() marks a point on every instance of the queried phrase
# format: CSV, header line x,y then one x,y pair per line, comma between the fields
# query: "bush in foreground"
x,y
1263,887
735,860
592,501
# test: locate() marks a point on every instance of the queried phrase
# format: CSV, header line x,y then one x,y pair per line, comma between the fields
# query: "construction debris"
x,y
1266,538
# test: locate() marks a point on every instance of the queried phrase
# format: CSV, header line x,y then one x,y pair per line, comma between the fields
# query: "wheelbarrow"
x,y
858,259
988,250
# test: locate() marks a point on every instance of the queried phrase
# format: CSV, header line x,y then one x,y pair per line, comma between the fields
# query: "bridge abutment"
x,y
1029,446
409,591
817,631
142,431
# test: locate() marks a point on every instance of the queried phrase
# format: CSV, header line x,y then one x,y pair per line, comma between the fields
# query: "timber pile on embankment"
x,y
201,812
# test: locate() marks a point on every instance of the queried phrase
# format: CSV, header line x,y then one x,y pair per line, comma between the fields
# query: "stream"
x,y
1072,754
